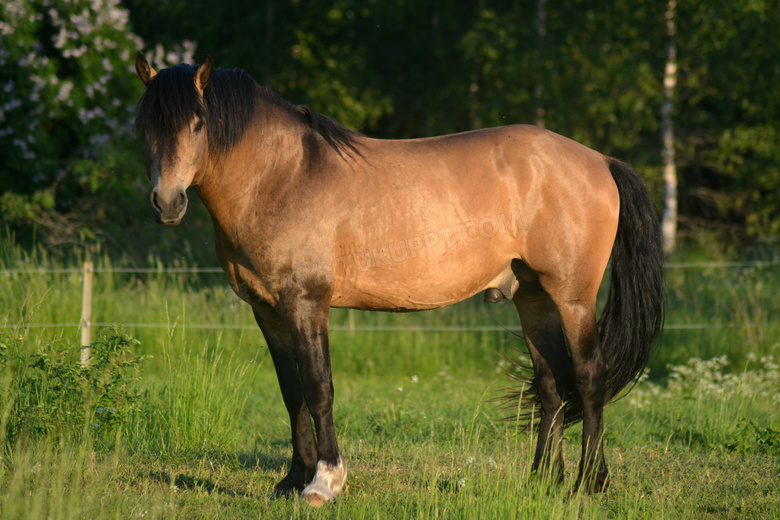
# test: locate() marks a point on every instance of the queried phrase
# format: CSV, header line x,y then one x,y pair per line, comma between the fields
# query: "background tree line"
x,y
71,171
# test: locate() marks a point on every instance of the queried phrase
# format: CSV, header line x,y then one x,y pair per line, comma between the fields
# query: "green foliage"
x,y
728,116
17,206
48,392
749,437
749,159
71,168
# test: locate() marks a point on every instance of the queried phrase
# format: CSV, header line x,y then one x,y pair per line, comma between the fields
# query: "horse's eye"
x,y
198,126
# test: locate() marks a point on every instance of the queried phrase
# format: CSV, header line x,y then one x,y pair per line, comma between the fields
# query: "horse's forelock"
x,y
169,102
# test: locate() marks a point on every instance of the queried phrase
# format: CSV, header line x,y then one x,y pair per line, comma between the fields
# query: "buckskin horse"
x,y
309,215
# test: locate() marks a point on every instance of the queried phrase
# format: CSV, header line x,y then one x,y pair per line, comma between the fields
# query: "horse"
x,y
310,215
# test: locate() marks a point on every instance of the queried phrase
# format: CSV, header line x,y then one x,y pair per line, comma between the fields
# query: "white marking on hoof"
x,y
326,484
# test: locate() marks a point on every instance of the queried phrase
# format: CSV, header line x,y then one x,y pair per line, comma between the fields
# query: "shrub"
x,y
48,392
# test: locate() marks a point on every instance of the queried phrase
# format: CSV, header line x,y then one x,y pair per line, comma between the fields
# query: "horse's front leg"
x,y
304,445
307,311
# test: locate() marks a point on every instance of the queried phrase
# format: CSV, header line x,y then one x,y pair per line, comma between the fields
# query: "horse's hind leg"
x,y
304,456
579,321
553,376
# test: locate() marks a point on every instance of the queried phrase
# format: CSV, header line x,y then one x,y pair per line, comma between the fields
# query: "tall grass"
x,y
67,431
195,407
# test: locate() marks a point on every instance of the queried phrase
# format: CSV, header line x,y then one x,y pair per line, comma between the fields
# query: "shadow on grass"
x,y
262,461
189,483
264,464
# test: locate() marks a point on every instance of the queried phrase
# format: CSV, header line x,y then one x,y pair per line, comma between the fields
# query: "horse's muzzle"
x,y
169,207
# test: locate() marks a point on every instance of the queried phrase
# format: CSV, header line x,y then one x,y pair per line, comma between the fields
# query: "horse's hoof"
x,y
314,499
327,483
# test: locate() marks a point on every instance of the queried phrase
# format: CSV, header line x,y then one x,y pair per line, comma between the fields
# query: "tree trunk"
x,y
669,219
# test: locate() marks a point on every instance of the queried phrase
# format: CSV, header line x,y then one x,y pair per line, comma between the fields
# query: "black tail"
x,y
633,315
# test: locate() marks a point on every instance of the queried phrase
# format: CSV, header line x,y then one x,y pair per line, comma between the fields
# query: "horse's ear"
x,y
144,70
203,75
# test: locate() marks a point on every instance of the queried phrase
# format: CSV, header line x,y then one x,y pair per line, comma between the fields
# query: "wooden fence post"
x,y
86,313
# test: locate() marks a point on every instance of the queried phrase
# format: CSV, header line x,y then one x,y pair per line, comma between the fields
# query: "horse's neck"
x,y
237,183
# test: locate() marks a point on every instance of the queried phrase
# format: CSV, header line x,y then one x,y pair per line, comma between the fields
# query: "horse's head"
x,y
172,116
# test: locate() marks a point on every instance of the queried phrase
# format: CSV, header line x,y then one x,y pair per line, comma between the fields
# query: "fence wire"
x,y
198,270
358,328
367,328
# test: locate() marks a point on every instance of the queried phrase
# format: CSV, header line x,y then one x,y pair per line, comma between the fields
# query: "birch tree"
x,y
669,219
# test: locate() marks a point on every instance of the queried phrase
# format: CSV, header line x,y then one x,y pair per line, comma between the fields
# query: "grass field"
x,y
189,423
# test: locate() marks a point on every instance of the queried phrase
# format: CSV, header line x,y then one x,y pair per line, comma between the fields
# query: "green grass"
x,y
207,435
435,448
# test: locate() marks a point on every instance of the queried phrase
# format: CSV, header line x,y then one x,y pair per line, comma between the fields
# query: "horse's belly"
x,y
401,298
402,277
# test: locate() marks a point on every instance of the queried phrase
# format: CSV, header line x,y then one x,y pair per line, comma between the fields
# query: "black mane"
x,y
230,101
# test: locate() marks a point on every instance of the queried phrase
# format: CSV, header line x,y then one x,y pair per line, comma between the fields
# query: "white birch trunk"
x,y
669,218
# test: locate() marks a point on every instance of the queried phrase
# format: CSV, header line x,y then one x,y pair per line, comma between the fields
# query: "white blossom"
x,y
75,83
